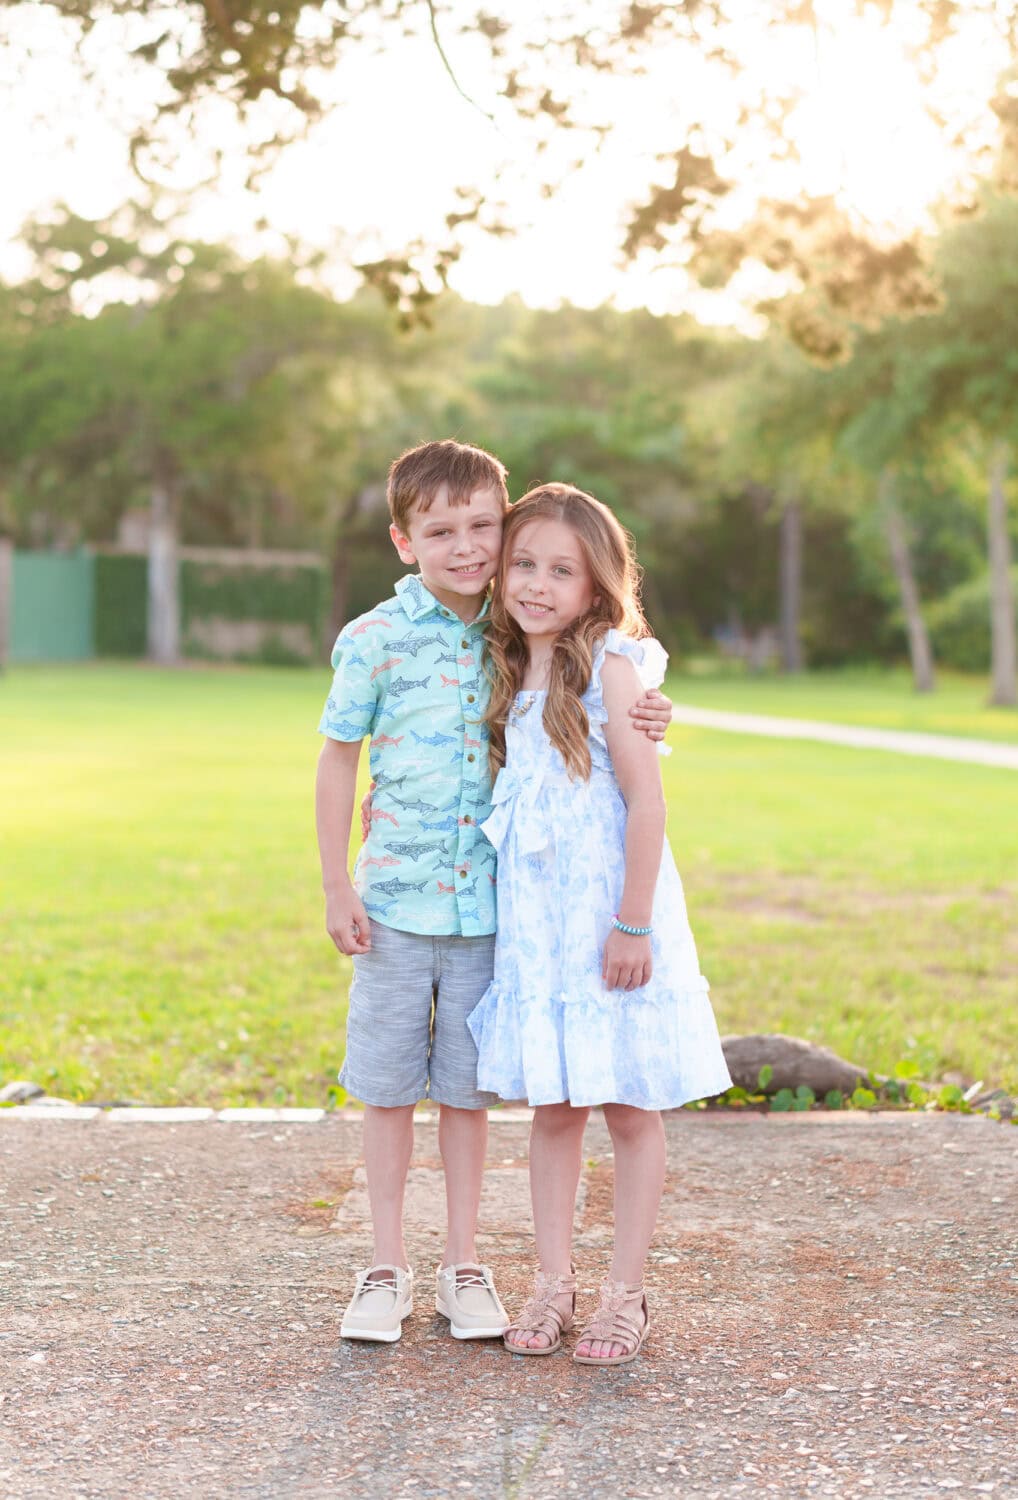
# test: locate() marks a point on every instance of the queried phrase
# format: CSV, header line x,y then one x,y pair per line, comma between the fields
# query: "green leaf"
x,y
834,1099
764,1076
863,1099
782,1101
950,1096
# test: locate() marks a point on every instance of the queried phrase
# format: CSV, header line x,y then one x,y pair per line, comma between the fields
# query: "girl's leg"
x,y
556,1151
462,1142
638,1138
388,1147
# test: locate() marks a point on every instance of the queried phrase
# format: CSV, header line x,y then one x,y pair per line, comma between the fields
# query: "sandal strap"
x,y
539,1313
610,1323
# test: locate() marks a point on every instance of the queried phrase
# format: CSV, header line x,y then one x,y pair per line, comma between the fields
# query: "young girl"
x,y
597,996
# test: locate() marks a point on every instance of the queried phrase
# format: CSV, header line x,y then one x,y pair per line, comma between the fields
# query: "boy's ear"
x,y
402,545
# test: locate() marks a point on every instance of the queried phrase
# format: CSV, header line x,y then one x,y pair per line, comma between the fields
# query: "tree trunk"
x,y
920,654
1003,653
790,585
339,612
364,503
163,574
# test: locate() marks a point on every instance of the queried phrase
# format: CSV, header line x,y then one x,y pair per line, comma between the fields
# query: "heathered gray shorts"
x,y
406,1031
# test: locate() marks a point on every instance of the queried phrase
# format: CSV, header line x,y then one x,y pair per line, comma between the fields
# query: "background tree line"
x,y
854,511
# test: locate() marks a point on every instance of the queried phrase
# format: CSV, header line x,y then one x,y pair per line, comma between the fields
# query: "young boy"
x,y
420,922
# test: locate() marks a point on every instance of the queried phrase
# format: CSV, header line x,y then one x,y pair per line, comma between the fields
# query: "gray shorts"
x,y
406,1031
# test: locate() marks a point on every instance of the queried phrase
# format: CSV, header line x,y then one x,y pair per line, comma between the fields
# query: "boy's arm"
x,y
335,787
626,962
652,714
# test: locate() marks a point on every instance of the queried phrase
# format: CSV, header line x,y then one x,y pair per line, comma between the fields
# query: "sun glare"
x,y
863,129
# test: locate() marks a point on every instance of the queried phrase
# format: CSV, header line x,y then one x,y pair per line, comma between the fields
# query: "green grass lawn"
x,y
161,925
880,698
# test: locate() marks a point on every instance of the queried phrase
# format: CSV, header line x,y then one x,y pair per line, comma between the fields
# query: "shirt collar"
x,y
418,601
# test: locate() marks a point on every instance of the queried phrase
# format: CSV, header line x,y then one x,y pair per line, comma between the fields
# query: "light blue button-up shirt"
x,y
408,676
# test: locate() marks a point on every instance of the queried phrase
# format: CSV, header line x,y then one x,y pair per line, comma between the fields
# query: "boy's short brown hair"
x,y
418,474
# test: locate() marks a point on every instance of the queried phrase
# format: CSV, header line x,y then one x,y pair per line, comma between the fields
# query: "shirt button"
x,y
470,697
465,645
471,756
468,819
462,874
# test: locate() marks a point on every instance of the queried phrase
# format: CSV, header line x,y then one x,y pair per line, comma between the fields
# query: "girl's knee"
x,y
627,1123
559,1119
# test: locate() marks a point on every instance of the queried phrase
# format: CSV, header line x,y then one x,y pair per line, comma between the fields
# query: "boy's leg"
x,y
466,1292
386,1066
463,1144
388,1147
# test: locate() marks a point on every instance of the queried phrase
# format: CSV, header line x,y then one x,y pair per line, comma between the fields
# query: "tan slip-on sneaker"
x,y
466,1295
378,1306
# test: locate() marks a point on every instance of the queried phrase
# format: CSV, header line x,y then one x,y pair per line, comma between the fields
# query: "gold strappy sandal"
x,y
610,1325
540,1315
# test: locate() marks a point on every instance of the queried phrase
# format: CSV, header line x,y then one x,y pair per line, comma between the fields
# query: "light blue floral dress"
x,y
546,1029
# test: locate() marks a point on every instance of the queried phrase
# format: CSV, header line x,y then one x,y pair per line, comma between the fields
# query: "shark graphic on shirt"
x,y
406,685
409,645
415,848
414,805
397,887
435,739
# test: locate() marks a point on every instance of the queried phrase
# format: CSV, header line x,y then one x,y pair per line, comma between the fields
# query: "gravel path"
x,y
832,1296
938,746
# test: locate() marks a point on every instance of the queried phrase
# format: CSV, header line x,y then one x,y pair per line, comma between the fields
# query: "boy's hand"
x,y
626,963
347,922
652,713
366,810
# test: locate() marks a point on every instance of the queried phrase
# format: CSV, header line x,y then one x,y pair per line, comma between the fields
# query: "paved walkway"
x,y
939,746
832,1298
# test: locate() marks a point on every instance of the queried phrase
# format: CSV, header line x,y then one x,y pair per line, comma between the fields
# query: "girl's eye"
x,y
522,562
564,571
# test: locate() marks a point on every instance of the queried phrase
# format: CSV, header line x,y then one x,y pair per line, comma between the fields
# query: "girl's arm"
x,y
345,917
627,960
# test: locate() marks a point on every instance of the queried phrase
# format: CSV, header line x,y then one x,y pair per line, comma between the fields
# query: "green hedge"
x,y
285,594
959,625
121,605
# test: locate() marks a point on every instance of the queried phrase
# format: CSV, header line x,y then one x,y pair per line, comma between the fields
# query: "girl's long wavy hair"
x,y
608,550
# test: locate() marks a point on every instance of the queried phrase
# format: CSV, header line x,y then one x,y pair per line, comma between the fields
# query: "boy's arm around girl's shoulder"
x,y
335,789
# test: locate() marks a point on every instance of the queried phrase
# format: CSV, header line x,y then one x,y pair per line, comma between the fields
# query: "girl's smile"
x,y
548,582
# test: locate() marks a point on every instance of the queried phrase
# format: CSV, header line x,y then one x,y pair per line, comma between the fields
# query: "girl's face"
x,y
548,583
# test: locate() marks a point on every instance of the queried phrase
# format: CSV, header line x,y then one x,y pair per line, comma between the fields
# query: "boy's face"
x,y
456,547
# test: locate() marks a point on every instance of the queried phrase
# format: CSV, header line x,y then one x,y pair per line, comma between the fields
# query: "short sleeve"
x,y
349,712
649,658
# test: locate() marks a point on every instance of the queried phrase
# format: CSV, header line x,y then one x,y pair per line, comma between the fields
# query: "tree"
x,y
557,89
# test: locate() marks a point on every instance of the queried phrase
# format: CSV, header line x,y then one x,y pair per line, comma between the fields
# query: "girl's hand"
x,y
652,714
626,963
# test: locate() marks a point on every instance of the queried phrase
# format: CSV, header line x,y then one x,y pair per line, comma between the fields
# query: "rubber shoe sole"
x,y
487,1332
376,1335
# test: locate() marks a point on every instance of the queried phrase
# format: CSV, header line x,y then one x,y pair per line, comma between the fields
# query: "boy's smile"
x,y
456,547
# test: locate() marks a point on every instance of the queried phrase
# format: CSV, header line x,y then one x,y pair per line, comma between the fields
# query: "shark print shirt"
x,y
408,679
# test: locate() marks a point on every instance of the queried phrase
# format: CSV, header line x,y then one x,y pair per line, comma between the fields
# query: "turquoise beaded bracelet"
x,y
631,931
